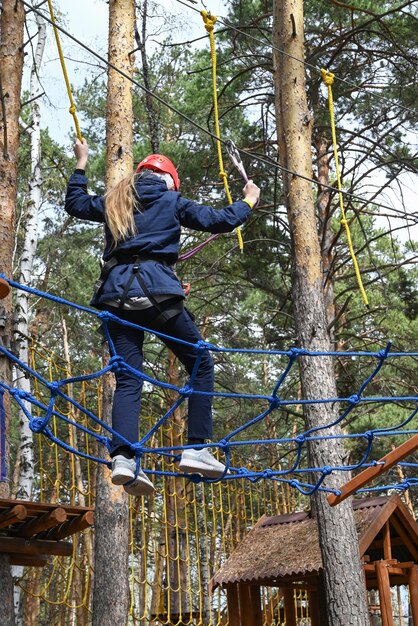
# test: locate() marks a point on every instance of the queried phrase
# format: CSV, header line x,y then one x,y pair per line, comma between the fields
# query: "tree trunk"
x,y
175,507
31,601
204,564
346,600
6,592
119,116
111,547
326,235
11,67
140,38
111,578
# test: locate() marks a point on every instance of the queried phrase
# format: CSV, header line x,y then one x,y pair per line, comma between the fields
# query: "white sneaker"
x,y
123,469
201,462
141,486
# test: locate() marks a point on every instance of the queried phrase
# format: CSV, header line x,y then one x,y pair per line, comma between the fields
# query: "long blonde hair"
x,y
120,203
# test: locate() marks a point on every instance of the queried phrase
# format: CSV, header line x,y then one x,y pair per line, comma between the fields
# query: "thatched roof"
x,y
286,547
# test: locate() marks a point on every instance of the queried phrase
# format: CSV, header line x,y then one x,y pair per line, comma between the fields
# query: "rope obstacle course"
x,y
292,475
328,77
41,425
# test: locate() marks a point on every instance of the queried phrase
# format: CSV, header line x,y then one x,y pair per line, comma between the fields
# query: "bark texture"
x,y
344,585
11,67
119,115
111,572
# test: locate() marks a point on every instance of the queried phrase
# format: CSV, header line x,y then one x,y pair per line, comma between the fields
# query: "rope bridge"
x,y
294,474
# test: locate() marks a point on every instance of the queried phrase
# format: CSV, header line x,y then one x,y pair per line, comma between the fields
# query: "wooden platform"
x,y
32,531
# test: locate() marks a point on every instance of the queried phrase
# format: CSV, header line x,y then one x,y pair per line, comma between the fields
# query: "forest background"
x,y
244,300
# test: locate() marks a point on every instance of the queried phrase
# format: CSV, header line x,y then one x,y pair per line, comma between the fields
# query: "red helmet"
x,y
160,163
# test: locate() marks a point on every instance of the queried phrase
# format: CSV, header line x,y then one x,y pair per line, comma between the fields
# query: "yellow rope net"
x,y
64,584
178,539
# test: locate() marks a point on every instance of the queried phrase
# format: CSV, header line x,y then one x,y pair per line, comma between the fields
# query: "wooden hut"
x,y
283,552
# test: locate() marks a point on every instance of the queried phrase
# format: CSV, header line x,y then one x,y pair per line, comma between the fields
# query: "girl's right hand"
x,y
251,193
81,151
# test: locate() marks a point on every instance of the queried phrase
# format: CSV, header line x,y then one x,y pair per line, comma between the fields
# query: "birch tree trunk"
x,y
111,578
344,584
21,322
11,67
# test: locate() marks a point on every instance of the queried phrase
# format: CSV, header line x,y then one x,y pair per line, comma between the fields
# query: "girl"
x,y
143,216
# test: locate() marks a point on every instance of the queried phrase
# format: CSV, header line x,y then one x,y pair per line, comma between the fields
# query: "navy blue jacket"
x,y
158,222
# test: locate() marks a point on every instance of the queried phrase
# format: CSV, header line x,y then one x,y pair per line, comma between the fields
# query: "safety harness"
x,y
167,309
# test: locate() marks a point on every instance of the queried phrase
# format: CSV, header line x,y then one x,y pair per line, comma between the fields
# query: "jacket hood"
x,y
151,188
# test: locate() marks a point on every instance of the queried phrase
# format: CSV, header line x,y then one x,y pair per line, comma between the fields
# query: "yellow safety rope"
x,y
209,21
328,78
64,71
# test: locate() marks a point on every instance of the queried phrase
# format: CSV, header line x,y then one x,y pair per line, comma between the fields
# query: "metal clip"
x,y
236,158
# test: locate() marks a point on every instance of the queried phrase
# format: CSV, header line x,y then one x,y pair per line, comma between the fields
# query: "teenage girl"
x,y
143,215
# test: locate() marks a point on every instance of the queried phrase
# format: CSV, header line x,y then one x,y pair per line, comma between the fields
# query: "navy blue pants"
x,y
127,398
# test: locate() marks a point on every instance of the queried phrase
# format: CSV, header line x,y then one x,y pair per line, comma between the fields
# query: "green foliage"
x,y
243,300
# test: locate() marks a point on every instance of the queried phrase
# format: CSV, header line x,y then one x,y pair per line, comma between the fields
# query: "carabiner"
x,y
236,158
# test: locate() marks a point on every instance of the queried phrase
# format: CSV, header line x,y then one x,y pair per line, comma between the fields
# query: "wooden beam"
x,y
406,519
385,463
413,592
255,600
384,593
289,607
18,545
393,567
233,605
369,567
395,581
314,608
387,548
406,538
43,507
380,518
71,527
13,515
377,544
4,288
245,605
42,523
395,571
29,560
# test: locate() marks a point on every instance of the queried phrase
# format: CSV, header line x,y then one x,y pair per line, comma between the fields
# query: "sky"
x,y
87,20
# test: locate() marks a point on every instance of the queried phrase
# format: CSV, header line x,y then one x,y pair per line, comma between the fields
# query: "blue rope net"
x,y
297,474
